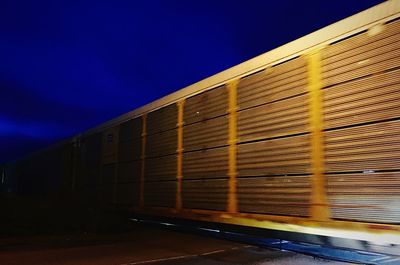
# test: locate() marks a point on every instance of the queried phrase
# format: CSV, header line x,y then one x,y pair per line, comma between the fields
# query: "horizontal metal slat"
x,y
129,171
283,195
160,194
160,168
131,129
211,163
206,105
162,119
210,194
363,148
164,143
128,194
381,53
130,150
275,119
364,100
278,82
374,200
206,134
289,155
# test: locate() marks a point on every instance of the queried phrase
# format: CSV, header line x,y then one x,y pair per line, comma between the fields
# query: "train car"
x,y
302,139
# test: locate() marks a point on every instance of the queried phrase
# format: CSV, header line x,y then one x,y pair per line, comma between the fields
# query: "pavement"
x,y
142,244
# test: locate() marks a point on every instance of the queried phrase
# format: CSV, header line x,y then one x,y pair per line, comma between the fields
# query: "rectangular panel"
x,y
162,119
160,193
160,168
128,194
283,195
164,143
130,150
281,81
206,105
210,194
129,171
131,129
362,55
375,198
206,134
363,148
281,156
211,163
363,100
280,118
110,145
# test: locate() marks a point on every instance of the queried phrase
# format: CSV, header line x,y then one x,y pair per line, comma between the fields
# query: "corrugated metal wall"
x,y
361,112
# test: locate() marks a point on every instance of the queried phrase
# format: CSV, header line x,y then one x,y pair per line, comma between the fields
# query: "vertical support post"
x,y
319,204
179,155
75,161
143,160
232,141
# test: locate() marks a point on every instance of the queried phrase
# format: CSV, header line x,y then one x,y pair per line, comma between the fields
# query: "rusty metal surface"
x,y
129,171
290,155
363,148
210,194
160,144
206,105
277,82
206,134
282,195
162,119
211,163
364,100
280,118
362,55
365,196
160,168
160,193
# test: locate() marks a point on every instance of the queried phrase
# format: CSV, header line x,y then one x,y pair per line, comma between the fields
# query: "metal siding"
x,y
129,150
364,100
211,163
369,147
280,118
131,129
160,168
128,193
110,146
206,134
289,155
362,55
209,194
160,144
162,119
283,195
281,81
160,193
206,105
371,197
129,171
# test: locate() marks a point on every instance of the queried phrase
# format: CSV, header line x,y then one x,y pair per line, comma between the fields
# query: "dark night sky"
x,y
66,66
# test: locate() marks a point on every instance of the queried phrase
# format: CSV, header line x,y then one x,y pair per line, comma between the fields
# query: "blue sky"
x,y
66,66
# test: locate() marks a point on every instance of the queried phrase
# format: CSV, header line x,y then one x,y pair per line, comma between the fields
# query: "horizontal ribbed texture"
x,y
129,171
164,143
129,150
160,194
280,118
210,194
278,82
128,194
206,134
131,129
363,100
212,163
362,55
281,195
206,105
369,147
290,155
365,197
162,119
160,168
